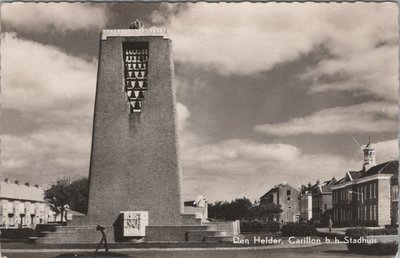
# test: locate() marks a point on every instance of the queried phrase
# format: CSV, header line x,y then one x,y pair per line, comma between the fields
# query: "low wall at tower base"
x,y
73,234
173,233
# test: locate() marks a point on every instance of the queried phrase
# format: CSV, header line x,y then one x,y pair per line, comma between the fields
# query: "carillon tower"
x,y
135,179
134,161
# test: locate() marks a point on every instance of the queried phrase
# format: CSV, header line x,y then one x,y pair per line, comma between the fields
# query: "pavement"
x,y
316,251
379,238
341,231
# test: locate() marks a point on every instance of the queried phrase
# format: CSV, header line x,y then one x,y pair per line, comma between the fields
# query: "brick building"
x,y
316,201
367,197
22,205
286,196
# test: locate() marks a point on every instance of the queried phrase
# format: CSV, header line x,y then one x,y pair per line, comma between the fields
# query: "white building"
x,y
22,205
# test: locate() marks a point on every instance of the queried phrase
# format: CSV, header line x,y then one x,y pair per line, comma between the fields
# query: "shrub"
x,y
257,226
298,230
375,248
17,233
331,235
371,232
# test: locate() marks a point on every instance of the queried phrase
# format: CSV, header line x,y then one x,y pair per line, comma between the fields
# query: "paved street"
x,y
334,230
325,250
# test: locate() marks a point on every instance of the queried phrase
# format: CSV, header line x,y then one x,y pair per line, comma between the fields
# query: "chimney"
x,y
27,184
6,180
16,182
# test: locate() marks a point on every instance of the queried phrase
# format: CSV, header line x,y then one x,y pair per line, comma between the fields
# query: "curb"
x,y
159,249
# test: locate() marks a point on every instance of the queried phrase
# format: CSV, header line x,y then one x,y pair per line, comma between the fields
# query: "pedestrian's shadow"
x,y
93,254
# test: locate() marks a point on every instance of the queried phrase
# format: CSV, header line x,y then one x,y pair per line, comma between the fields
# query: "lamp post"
x,y
362,195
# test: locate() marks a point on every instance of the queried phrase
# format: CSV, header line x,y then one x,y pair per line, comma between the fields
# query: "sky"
x,y
267,93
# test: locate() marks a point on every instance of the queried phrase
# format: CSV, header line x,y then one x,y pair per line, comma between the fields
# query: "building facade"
x,y
289,199
316,201
367,197
22,205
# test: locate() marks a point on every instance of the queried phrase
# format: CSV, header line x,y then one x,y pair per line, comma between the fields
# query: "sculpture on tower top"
x,y
135,25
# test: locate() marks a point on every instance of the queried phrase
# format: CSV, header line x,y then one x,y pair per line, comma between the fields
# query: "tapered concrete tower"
x,y
135,184
134,162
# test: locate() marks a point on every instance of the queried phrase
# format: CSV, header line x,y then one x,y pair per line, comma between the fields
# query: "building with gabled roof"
x,y
22,205
367,197
288,198
316,201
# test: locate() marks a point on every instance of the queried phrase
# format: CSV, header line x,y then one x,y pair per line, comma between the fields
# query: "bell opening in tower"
x,y
135,56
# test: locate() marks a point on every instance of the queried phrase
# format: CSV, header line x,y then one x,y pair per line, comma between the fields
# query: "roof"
x,y
21,192
325,187
272,190
389,167
276,189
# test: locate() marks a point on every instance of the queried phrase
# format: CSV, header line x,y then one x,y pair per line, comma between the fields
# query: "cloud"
x,y
245,38
366,117
249,168
38,77
234,168
64,17
237,150
386,150
183,115
48,98
372,72
46,155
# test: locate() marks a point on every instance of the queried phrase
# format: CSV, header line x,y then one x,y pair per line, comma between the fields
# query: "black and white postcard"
x,y
155,129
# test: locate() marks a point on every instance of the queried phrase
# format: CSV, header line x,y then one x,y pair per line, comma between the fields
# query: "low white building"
x,y
22,205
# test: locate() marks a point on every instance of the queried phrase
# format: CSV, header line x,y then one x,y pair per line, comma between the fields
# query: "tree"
x,y
265,211
240,208
271,210
58,195
67,192
79,190
237,209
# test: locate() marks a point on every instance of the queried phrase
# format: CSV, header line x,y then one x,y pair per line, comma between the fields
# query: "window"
x,y
288,192
333,198
365,192
374,212
395,193
365,212
375,184
370,191
370,212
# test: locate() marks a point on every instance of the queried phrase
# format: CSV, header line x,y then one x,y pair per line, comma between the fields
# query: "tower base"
x,y
194,232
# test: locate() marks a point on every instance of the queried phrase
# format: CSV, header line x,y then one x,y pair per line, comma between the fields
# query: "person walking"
x,y
330,225
103,239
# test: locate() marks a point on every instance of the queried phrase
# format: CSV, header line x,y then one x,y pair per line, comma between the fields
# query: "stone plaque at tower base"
x,y
134,223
